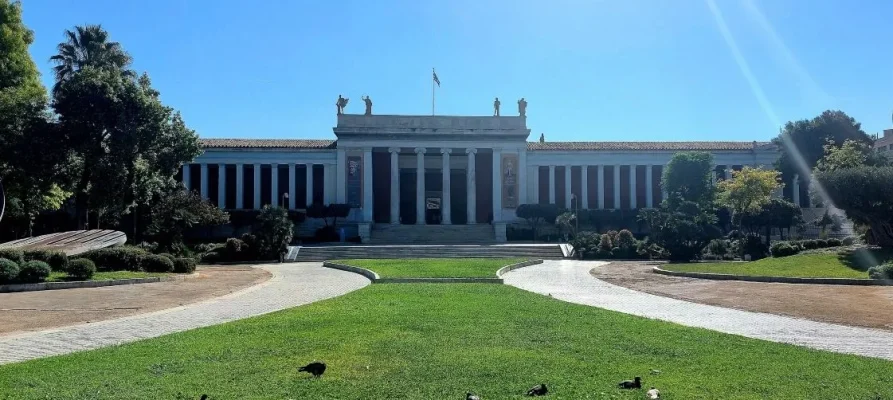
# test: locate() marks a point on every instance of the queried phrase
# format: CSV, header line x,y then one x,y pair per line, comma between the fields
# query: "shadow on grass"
x,y
863,258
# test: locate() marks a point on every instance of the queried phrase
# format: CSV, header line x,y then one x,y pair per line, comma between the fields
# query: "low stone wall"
x,y
350,268
30,287
774,279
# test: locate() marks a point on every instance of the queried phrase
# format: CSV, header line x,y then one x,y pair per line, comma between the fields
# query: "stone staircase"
x,y
322,253
432,234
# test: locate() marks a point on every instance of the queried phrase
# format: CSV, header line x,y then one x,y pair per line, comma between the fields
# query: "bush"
x,y
184,265
150,247
849,241
57,260
625,240
157,263
883,271
206,247
234,245
605,244
116,258
718,248
35,271
617,252
211,257
809,244
168,256
81,269
821,243
783,249
586,244
9,270
14,255
834,242
753,245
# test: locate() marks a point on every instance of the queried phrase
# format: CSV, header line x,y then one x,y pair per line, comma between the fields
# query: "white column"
x,y
257,204
204,179
328,181
497,185
471,186
291,186
567,186
445,203
616,187
796,189
584,187
395,184
240,186
221,186
522,176
420,185
309,187
551,184
649,186
187,177
341,177
535,172
601,186
367,184
633,189
274,185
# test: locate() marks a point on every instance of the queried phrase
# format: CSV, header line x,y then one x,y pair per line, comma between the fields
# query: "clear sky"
x,y
590,70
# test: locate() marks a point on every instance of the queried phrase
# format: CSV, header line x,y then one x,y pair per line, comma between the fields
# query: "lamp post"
x,y
285,200
576,203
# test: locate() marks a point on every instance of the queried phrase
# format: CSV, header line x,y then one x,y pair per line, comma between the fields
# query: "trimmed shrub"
x,y
753,245
586,244
821,243
883,271
605,244
116,258
157,263
849,241
783,249
834,242
211,257
81,269
15,255
9,270
57,260
206,247
718,248
809,244
184,265
625,240
168,256
617,252
34,271
234,245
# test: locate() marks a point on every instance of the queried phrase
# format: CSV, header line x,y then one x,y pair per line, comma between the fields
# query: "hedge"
x,y
116,258
157,263
35,271
9,270
57,260
15,255
184,265
81,269
883,271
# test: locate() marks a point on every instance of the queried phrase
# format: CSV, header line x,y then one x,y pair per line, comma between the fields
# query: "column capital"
x,y
291,165
471,151
446,150
367,149
420,150
393,149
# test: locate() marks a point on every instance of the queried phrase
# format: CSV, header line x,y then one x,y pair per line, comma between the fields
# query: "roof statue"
x,y
496,104
522,107
341,103
368,102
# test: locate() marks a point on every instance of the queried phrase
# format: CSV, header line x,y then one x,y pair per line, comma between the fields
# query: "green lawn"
x,y
107,276
827,265
435,341
434,267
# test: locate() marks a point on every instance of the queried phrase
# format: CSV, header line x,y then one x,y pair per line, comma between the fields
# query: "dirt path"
x,y
865,306
32,311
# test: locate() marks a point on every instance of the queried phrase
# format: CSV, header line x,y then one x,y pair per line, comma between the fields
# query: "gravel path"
x,y
571,281
292,285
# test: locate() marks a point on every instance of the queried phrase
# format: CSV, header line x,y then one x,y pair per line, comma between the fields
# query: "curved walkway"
x,y
292,285
571,281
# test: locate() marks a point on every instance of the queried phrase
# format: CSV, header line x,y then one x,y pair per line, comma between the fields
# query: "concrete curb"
x,y
350,268
31,287
504,270
375,278
773,279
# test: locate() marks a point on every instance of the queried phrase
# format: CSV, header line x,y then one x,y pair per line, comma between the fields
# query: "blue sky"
x,y
590,70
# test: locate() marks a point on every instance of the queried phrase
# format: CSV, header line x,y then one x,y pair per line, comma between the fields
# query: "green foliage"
x,y
783,249
57,260
834,242
9,270
16,255
81,269
157,263
184,265
274,232
810,244
687,178
865,194
753,245
682,233
34,272
601,219
586,244
567,221
625,239
537,214
850,155
116,258
824,265
849,241
749,189
719,248
884,271
178,211
605,245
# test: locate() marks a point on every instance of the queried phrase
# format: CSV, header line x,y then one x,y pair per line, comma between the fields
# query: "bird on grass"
x,y
538,390
204,397
471,396
633,384
653,393
315,368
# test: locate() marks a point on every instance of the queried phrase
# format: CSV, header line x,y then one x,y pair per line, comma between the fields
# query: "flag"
x,y
436,80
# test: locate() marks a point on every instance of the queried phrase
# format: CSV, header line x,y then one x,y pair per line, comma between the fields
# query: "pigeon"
x,y
633,384
471,396
315,368
653,393
538,390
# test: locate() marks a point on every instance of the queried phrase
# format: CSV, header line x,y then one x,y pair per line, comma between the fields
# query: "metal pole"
x,y
432,90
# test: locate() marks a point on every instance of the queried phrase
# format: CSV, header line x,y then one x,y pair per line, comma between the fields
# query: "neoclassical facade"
x,y
447,170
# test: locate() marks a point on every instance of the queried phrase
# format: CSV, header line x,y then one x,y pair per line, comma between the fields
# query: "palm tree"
x,y
88,46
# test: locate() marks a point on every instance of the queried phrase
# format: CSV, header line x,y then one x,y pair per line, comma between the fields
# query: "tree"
x,y
536,214
683,232
274,232
567,221
865,194
827,220
178,211
687,178
802,143
850,155
88,46
748,190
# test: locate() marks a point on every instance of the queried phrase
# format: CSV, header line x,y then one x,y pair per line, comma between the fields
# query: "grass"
x,y
434,267
817,265
107,276
435,341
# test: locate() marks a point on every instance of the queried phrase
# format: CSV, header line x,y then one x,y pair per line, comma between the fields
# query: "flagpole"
x,y
432,90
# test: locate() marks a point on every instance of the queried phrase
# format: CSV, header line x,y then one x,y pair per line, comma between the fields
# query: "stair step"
x,y
322,253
